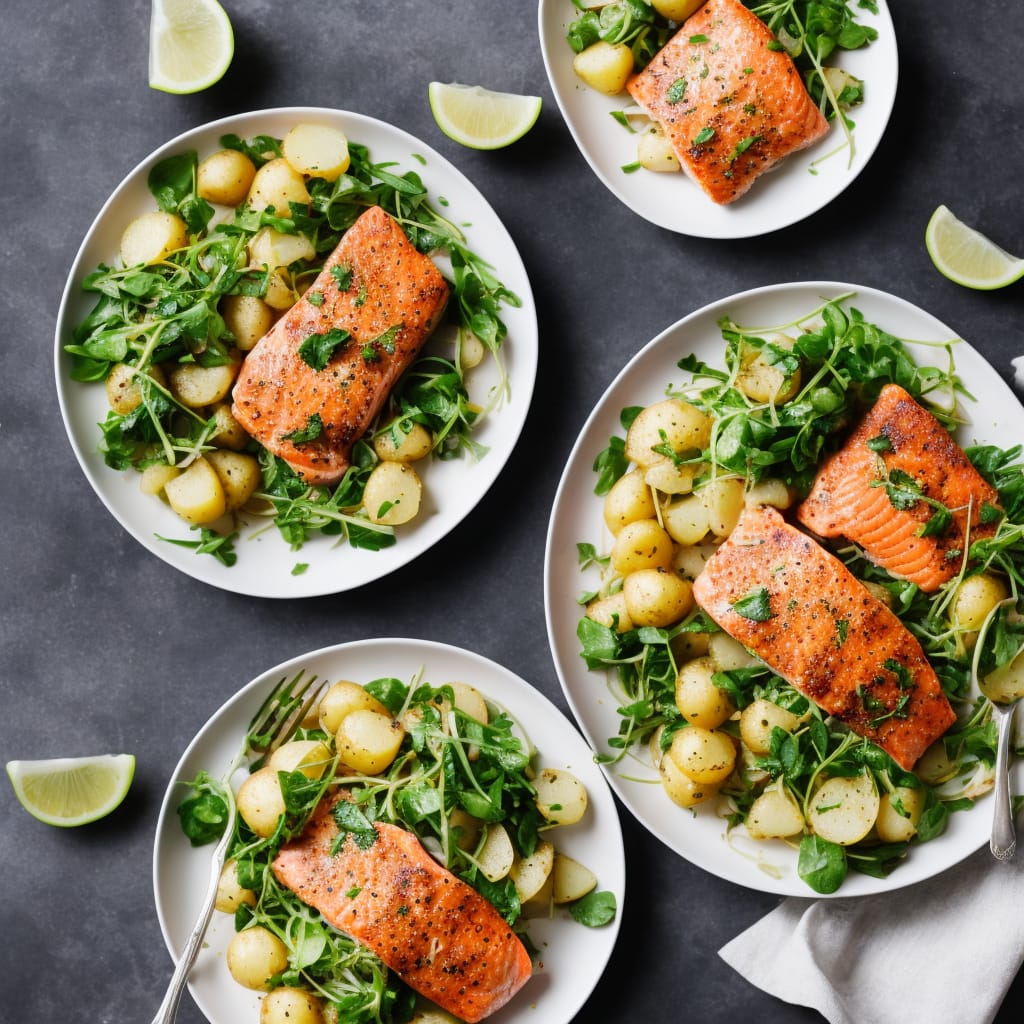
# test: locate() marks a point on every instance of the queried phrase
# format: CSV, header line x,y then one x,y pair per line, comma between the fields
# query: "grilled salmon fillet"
x,y
730,106
803,613
388,297
438,934
900,443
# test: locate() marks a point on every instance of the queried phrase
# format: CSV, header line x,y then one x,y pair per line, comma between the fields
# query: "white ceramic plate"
x,y
573,956
577,516
451,489
787,194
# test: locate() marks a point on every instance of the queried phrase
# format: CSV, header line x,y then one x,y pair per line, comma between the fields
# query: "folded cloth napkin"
x,y
942,951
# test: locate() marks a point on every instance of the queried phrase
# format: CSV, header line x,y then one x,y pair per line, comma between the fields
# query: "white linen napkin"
x,y
943,951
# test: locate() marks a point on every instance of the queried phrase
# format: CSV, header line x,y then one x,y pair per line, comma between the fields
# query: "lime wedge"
x,y
479,118
68,791
968,257
190,45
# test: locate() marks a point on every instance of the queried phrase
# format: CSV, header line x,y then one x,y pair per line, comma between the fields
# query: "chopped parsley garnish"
x,y
317,349
310,432
755,606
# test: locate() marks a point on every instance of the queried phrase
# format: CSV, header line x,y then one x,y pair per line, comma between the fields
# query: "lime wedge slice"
x,y
480,118
966,256
191,44
69,791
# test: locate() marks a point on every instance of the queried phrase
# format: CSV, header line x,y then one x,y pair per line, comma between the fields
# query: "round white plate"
x,y
787,194
573,956
451,489
699,836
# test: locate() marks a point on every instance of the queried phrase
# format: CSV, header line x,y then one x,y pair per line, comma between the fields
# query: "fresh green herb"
x,y
706,134
676,91
742,146
221,546
310,432
631,22
755,606
317,349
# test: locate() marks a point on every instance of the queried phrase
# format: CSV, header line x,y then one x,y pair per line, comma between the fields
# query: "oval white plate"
x,y
573,956
577,517
787,194
451,489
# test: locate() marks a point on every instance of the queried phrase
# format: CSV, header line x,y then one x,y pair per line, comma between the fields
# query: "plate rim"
x,y
742,225
856,885
521,359
608,830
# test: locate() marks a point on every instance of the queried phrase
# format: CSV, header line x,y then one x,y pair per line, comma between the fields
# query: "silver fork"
x,y
275,723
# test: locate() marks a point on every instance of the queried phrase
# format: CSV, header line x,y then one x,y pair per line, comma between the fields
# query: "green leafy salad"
x,y
461,776
177,312
784,401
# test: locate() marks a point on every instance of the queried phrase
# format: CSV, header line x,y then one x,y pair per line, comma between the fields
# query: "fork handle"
x,y
169,1007
1004,839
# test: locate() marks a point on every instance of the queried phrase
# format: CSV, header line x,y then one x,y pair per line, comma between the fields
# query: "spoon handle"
x,y
1004,840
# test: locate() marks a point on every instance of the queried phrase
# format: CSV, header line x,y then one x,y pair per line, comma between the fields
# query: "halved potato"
x,y
239,473
497,854
392,494
561,797
225,177
572,880
368,741
247,317
271,248
198,386
275,186
530,874
341,698
152,237
317,150
844,809
605,66
197,494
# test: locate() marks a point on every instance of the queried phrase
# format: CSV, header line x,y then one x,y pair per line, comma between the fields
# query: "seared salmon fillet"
x,y
802,612
901,444
438,934
730,106
388,297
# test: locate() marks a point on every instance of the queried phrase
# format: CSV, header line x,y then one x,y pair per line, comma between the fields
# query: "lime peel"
x,y
481,118
71,791
191,44
966,256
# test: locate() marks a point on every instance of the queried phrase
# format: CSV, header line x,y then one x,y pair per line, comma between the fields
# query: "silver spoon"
x,y
1004,688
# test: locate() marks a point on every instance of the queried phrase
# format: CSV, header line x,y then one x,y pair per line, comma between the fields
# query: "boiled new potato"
x,y
155,477
679,787
123,391
975,597
247,317
676,10
227,432
271,249
935,766
844,809
571,880
392,494
254,956
686,520
198,386
605,66
668,478
691,558
728,653
561,797
260,801
775,814
707,756
225,177
758,719
317,151
291,1006
656,597
898,814
280,293
669,425
699,701
465,827
231,894
496,856
628,500
275,186
152,237
239,474
763,381
654,152
470,701
367,741
1006,684
611,611
642,544
770,491
723,500
341,698
530,874
197,494
311,757
406,442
